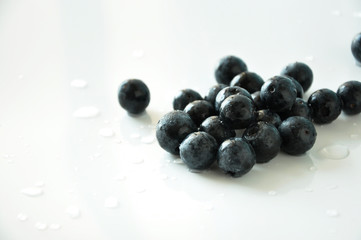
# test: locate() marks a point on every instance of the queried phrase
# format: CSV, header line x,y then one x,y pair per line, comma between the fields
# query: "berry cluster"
x,y
244,120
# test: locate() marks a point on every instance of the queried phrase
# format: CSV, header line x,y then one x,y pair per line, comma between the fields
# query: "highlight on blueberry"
x,y
133,96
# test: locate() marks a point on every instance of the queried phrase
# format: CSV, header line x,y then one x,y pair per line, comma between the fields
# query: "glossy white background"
x,y
106,178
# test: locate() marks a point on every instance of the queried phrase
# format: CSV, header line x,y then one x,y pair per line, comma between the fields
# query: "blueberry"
x,y
301,72
237,112
199,150
356,47
172,129
350,94
250,81
298,86
325,106
278,93
299,108
184,97
213,91
265,140
133,96
268,116
298,135
236,157
199,110
217,129
258,103
228,68
228,91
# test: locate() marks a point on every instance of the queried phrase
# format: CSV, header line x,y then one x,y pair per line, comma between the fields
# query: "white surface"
x,y
124,186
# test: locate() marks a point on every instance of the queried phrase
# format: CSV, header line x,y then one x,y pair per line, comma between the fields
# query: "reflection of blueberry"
x,y
172,129
213,91
228,91
298,135
199,110
229,67
198,150
356,47
134,96
184,97
301,72
325,106
250,81
236,157
350,94
217,129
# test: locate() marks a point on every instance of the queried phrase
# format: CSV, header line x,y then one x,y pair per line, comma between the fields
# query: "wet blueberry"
x,y
213,91
134,96
217,129
278,93
268,116
199,110
237,112
184,97
250,81
350,94
228,68
228,91
172,129
199,150
298,135
299,108
236,157
325,106
301,72
265,140
356,47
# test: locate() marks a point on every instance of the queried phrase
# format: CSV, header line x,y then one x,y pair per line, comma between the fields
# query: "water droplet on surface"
x,y
138,53
111,202
335,152
272,193
86,112
32,191
22,217
54,226
332,213
106,132
73,212
148,139
78,83
41,226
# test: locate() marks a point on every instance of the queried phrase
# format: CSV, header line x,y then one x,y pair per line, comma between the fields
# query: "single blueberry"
x,y
228,91
298,135
301,72
325,106
356,47
278,93
172,129
268,116
133,96
229,67
183,97
265,140
299,108
237,112
213,91
199,150
350,94
236,157
199,110
214,126
250,81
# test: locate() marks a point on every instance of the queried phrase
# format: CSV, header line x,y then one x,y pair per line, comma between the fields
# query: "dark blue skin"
x,y
298,135
236,157
213,91
298,86
350,94
325,106
250,81
217,129
237,112
356,47
199,150
265,140
268,116
184,97
299,108
172,129
278,93
199,110
258,103
134,96
228,91
228,68
301,72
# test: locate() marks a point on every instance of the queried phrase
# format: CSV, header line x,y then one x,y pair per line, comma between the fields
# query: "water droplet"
x,y
22,217
335,152
41,226
54,226
73,212
111,202
138,53
148,139
357,14
32,191
137,160
120,177
332,213
272,193
86,112
78,83
106,132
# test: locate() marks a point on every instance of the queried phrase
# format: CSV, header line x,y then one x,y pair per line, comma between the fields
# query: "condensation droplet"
x,y
86,112
32,191
106,132
111,202
78,83
22,217
54,226
335,152
332,213
73,212
148,139
41,226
